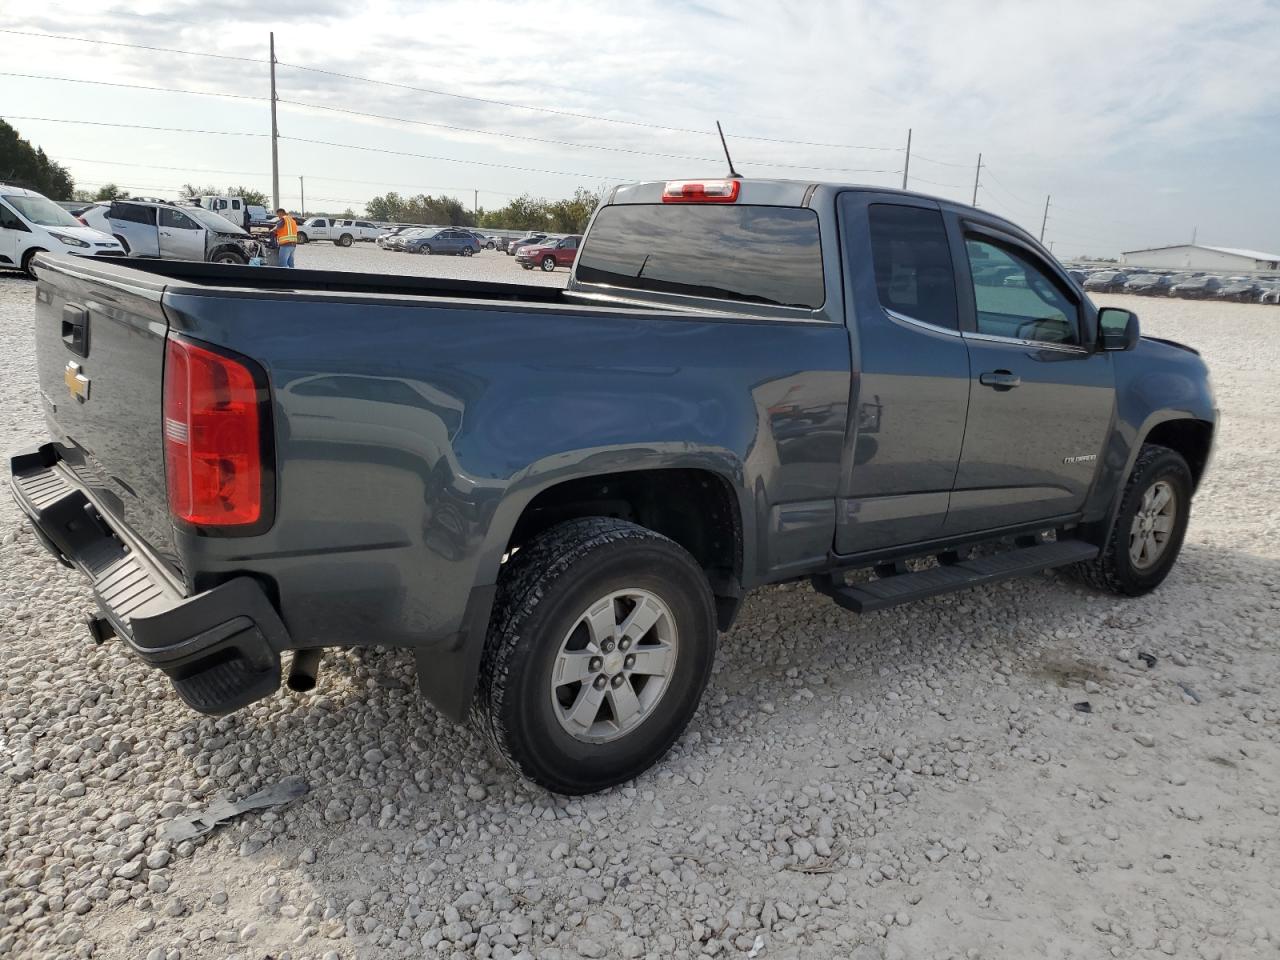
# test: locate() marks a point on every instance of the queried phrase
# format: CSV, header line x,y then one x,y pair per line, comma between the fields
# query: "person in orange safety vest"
x,y
286,235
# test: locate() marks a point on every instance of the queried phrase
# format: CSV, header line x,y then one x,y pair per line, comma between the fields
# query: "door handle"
x,y
1000,380
75,329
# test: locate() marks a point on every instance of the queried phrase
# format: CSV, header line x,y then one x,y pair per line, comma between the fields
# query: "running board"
x,y
889,591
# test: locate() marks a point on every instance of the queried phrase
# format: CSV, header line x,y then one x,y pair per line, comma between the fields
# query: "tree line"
x,y
26,166
525,212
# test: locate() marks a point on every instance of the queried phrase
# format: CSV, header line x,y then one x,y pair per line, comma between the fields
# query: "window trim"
x,y
999,238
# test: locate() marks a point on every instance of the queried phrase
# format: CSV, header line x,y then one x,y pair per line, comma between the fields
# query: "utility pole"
x,y
275,132
1193,235
475,206
906,164
976,174
1046,217
302,189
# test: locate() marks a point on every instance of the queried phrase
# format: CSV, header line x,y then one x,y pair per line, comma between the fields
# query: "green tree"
x,y
252,198
110,191
24,165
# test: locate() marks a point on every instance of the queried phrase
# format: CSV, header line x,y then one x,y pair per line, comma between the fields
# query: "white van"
x,y
30,223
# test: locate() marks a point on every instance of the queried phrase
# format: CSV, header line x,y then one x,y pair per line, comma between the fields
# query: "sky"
x,y
1141,122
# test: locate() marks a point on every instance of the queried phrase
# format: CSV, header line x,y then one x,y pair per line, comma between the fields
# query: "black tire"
x,y
1114,570
548,264
542,591
465,252
229,256
425,249
490,245
27,269
527,266
344,240
303,238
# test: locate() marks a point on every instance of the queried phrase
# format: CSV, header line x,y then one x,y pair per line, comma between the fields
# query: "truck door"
x,y
911,372
136,223
1040,398
181,238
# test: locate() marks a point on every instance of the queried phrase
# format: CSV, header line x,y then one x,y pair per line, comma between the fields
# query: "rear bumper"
x,y
221,648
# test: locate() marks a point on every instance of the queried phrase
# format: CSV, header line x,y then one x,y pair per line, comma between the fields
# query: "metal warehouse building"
x,y
1193,256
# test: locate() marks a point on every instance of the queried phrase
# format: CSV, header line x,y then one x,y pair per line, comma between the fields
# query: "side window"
x,y
1016,298
170,217
914,273
10,221
133,213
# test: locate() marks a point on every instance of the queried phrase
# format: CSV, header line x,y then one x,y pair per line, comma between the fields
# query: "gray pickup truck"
x,y
556,498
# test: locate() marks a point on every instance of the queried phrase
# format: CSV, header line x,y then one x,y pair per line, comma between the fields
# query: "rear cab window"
x,y
744,253
915,277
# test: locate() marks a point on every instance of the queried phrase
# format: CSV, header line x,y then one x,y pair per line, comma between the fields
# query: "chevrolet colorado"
x,y
556,497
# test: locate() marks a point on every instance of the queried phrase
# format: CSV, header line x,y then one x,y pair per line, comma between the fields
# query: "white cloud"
x,y
1072,99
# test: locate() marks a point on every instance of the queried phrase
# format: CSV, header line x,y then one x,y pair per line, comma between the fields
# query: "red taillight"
x,y
212,438
701,191
83,221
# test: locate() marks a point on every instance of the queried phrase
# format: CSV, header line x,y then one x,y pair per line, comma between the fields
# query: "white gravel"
x,y
370,258
910,784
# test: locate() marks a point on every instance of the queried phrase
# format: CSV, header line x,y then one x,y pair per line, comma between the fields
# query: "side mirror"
x,y
1118,329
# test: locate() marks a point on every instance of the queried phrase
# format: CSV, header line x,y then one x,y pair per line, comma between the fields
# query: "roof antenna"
x,y
732,172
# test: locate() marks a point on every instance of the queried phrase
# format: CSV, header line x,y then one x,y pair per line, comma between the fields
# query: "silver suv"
x,y
151,228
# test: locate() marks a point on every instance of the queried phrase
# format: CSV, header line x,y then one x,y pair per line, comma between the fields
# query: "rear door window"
x,y
133,213
914,273
751,254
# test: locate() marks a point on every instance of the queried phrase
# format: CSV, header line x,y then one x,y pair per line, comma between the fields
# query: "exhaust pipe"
x,y
303,669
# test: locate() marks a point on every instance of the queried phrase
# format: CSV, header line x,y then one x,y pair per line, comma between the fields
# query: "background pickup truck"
x,y
555,498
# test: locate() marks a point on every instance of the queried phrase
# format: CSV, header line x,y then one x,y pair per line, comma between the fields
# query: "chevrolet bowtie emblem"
x,y
76,381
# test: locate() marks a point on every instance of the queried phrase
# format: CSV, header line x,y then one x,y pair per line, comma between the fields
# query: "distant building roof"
x,y
1233,251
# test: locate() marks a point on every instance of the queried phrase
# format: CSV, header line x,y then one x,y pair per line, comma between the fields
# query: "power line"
x,y
135,86
259,173
941,163
935,183
435,124
137,126
325,143
457,96
132,46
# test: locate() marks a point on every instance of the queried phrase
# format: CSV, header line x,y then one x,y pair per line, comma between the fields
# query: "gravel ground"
x,y
369,258
909,784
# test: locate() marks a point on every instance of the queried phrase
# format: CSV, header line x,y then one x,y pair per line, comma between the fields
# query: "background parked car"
x,y
547,255
362,230
514,247
1148,284
1270,293
1106,281
148,228
31,222
1077,275
443,240
384,238
1244,291
326,228
1197,288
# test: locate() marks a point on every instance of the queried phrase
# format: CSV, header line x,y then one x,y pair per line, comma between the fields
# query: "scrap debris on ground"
x,y
918,783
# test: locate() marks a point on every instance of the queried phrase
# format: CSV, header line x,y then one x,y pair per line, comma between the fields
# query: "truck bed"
x,y
189,272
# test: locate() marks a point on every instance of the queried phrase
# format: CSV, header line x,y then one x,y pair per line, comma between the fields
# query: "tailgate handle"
x,y
75,329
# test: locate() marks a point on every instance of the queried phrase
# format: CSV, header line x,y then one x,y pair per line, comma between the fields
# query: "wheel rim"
x,y
614,665
1152,526
548,264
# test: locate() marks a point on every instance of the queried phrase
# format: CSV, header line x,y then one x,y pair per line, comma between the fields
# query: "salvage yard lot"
x,y
916,783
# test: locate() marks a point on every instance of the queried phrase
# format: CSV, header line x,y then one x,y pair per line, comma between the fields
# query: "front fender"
x,y
1156,383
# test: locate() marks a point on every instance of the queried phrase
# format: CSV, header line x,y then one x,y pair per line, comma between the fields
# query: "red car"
x,y
549,254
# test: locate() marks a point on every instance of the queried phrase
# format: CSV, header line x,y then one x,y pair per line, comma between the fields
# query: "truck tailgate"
x,y
100,348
